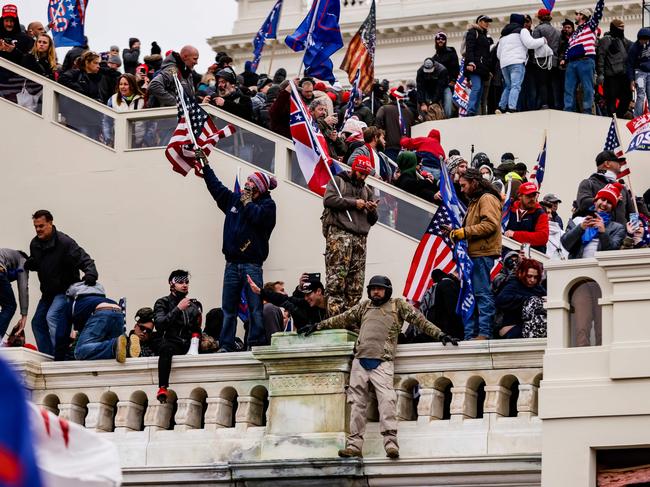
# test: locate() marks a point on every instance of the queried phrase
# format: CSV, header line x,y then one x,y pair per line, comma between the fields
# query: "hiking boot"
x,y
120,349
500,111
348,452
134,346
162,395
392,452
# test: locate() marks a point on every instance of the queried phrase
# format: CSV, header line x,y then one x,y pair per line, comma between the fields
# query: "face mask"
x,y
212,83
487,177
610,175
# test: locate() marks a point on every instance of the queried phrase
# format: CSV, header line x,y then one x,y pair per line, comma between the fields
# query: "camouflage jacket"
x,y
379,326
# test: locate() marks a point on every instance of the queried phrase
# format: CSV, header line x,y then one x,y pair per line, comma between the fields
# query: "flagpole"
x,y
311,30
627,178
200,156
272,55
544,143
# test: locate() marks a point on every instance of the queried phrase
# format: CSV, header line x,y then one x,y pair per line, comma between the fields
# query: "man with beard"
x,y
13,43
448,57
229,97
374,140
177,319
348,215
378,321
327,126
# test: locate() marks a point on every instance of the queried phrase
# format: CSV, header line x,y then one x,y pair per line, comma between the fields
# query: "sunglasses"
x,y
145,330
181,280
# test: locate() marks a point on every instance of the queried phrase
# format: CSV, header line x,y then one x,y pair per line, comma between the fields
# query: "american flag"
x,y
433,252
613,143
505,212
540,168
355,94
180,150
461,92
361,52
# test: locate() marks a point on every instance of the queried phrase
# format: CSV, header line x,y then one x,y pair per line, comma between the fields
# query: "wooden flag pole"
x,y
273,43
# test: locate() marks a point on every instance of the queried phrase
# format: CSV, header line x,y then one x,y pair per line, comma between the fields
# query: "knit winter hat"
x,y
133,40
353,125
115,60
611,193
263,182
441,35
407,162
155,48
453,162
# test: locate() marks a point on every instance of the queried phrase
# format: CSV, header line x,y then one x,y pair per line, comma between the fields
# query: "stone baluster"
x,y
189,414
497,400
404,405
53,410
527,401
100,416
158,416
129,416
431,404
463,403
73,413
218,413
249,412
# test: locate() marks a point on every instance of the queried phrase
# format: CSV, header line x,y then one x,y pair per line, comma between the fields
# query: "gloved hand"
x,y
246,196
457,234
90,280
308,329
445,339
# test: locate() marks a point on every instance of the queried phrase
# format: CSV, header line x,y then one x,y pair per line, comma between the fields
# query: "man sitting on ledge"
x,y
378,321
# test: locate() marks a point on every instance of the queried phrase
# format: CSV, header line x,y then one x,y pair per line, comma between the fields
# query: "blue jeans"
x,y
98,336
447,102
513,77
580,71
50,324
474,103
234,280
642,81
7,303
482,320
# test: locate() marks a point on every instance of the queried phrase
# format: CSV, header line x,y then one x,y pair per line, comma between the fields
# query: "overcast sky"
x,y
173,23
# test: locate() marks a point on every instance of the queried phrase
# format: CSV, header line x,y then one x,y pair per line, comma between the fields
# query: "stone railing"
x,y
287,401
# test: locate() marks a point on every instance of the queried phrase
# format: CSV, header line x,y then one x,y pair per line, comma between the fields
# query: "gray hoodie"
x,y
12,260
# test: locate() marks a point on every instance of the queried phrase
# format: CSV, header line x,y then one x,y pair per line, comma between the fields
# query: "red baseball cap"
x,y
10,10
528,188
362,164
543,12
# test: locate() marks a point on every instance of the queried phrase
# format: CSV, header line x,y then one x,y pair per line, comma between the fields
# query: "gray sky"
x,y
172,23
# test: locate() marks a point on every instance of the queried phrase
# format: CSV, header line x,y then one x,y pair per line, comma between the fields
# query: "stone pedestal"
x,y
307,402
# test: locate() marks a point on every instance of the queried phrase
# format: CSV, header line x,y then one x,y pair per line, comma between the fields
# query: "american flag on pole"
x,y
613,143
460,96
433,252
537,176
180,150
505,212
311,149
361,53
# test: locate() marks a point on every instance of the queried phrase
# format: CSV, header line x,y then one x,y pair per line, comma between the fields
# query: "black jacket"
x,y
247,229
512,297
131,59
108,83
587,191
477,51
301,313
58,262
82,82
22,43
441,306
238,104
448,57
423,188
172,322
38,66
430,86
70,57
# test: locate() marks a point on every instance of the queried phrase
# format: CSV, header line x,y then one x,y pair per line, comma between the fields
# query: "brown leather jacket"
x,y
482,226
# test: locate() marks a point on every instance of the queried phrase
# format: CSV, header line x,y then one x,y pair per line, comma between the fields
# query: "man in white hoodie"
x,y
512,52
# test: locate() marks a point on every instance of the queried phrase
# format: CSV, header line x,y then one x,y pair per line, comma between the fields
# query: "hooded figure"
x,y
410,181
438,304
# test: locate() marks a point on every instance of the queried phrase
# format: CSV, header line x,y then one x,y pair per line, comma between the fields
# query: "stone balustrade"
x,y
287,402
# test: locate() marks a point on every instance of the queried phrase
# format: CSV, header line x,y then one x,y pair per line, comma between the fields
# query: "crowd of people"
x,y
529,68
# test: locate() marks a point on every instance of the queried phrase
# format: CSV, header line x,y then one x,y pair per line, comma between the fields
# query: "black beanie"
x,y
155,48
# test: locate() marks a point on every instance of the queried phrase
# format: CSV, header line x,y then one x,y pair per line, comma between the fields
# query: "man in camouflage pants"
x,y
347,218
378,322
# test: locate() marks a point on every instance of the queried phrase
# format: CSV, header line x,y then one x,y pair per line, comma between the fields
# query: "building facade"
x,y
405,28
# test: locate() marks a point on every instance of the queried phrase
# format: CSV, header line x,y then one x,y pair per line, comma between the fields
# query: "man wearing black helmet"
x,y
378,320
229,97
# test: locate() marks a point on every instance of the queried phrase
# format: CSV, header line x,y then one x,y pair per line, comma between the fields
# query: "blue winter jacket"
x,y
247,229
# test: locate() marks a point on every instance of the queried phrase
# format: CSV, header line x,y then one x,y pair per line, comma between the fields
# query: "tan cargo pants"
x,y
382,380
